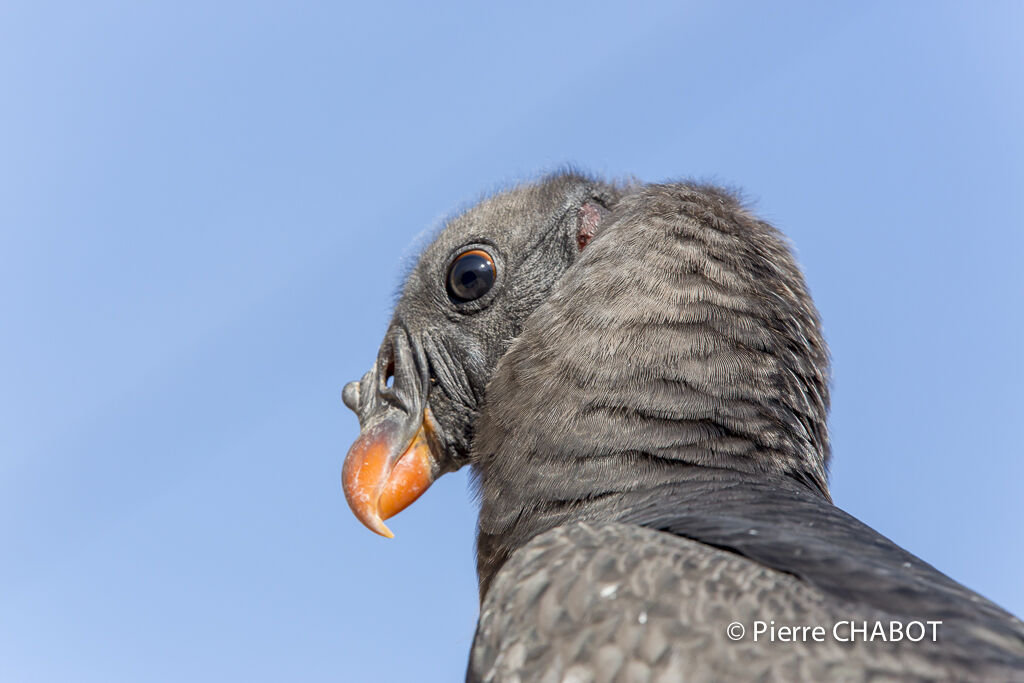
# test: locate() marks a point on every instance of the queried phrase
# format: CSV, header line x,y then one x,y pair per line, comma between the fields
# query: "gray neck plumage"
x,y
683,336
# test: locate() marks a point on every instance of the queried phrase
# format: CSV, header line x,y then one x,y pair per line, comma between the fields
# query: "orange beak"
x,y
382,475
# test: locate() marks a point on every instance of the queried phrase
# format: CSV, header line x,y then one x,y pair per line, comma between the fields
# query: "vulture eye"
x,y
471,275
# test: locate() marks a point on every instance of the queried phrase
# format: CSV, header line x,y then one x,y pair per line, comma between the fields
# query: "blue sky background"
x,y
204,210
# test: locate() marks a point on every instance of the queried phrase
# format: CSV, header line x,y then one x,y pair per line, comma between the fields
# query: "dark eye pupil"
x,y
471,275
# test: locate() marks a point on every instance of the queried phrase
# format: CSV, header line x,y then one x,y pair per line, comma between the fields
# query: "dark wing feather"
x,y
621,601
782,525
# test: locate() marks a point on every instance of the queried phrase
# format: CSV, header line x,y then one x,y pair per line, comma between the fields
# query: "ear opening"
x,y
588,219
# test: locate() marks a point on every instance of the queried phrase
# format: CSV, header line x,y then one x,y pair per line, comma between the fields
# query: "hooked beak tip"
x,y
375,524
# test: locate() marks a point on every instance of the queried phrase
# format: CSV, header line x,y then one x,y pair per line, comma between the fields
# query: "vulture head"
x,y
584,344
461,306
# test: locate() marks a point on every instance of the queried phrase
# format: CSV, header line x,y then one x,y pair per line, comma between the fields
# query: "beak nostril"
x,y
387,378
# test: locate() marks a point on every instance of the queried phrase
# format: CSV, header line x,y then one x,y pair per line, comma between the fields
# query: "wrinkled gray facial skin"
x,y
440,352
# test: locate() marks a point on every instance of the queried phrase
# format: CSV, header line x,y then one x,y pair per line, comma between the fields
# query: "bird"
x,y
637,377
